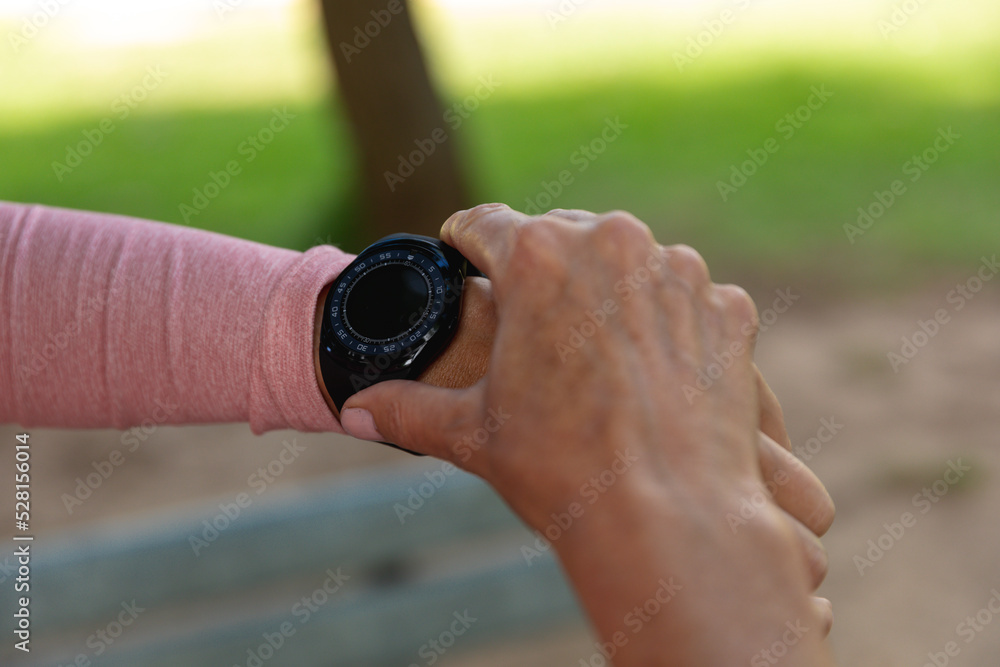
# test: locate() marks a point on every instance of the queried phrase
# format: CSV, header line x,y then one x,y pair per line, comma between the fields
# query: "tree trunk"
x,y
409,172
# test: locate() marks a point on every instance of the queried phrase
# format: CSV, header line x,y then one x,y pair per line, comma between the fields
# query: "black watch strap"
x,y
340,383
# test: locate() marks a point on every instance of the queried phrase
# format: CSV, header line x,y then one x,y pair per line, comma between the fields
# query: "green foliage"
x,y
151,165
686,132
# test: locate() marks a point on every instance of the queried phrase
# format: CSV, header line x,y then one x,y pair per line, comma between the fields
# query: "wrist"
x,y
388,315
679,573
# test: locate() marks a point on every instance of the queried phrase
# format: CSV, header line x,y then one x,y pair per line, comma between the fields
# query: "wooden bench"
x,y
320,575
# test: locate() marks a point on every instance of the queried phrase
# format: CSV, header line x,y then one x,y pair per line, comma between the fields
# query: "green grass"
x,y
791,213
152,164
684,133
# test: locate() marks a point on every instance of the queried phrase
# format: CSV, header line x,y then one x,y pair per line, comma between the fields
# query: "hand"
x,y
542,422
796,489
466,360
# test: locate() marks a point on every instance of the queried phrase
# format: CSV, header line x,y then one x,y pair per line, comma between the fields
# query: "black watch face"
x,y
389,301
385,300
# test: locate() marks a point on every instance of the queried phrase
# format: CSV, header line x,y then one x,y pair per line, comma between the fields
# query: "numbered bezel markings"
x,y
432,271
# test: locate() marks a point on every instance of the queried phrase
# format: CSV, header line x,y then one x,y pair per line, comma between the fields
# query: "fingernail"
x,y
360,424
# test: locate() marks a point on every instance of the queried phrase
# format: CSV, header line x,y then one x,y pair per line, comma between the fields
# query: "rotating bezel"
x,y
444,278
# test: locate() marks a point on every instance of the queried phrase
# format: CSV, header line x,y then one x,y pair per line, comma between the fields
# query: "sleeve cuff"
x,y
284,390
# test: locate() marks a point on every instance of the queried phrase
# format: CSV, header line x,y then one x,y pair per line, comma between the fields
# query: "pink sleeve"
x,y
107,321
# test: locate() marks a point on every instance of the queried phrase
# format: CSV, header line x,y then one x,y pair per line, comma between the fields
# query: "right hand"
x,y
572,414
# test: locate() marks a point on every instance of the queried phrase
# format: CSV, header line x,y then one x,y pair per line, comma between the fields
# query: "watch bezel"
x,y
408,357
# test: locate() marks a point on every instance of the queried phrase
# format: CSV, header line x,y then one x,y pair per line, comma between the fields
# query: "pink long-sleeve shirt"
x,y
109,321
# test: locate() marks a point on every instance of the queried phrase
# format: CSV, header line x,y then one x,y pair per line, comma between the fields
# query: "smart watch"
x,y
390,313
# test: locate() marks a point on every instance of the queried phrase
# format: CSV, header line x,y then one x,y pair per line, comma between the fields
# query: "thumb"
x,y
414,416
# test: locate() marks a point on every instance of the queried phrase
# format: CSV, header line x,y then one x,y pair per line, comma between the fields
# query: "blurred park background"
x,y
843,154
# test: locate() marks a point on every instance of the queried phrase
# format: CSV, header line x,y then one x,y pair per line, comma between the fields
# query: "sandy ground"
x,y
896,434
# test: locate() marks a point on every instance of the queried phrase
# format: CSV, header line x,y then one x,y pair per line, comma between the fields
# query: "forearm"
x,y
666,582
111,321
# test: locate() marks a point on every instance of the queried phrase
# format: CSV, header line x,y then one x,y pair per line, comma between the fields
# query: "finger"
x,y
742,316
772,419
415,416
685,263
813,551
734,313
484,235
824,609
574,214
795,488
692,327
